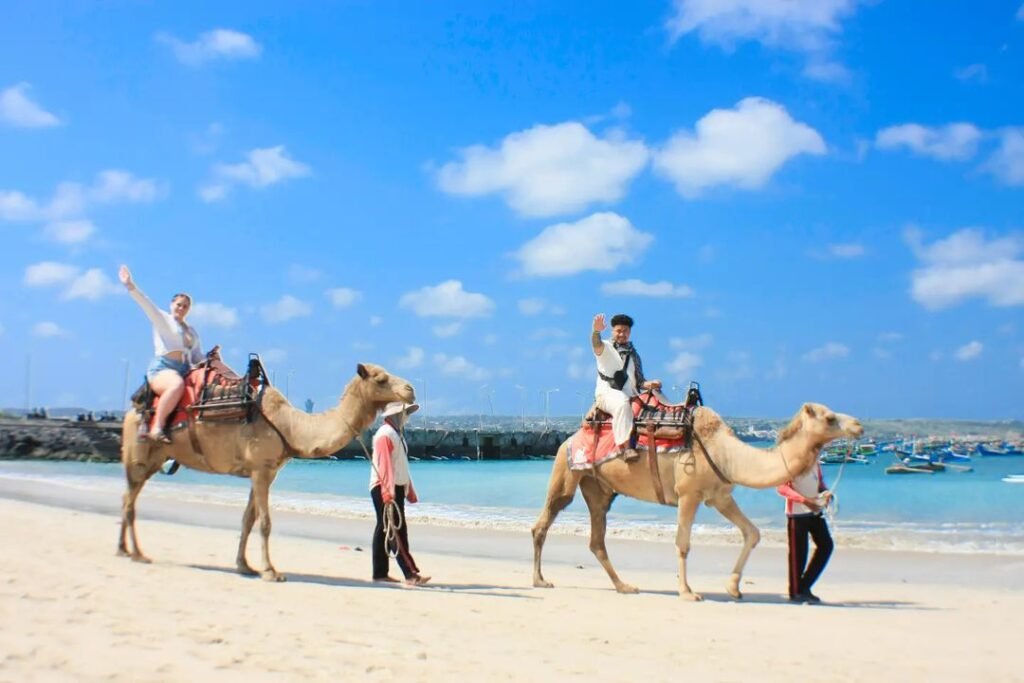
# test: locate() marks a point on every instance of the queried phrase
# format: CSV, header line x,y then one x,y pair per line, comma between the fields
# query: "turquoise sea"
x,y
943,512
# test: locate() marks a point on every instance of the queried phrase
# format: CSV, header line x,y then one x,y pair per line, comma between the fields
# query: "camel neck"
x,y
761,468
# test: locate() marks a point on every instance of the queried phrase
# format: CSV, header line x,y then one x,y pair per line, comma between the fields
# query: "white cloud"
x,y
828,351
16,109
219,43
447,300
376,320
343,297
115,186
15,206
827,71
848,250
48,273
880,353
634,287
531,306
458,366
548,170
889,337
272,356
303,275
967,265
1007,162
969,351
69,232
91,285
48,329
741,147
412,359
805,26
212,314
972,72
548,333
952,142
536,306
284,309
263,167
449,330
601,241
71,200
683,365
700,341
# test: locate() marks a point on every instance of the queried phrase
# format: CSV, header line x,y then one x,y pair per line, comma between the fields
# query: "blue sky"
x,y
796,199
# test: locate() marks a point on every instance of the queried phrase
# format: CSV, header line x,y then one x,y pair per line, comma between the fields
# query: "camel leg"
x,y
561,489
598,502
751,536
686,512
137,475
248,519
261,481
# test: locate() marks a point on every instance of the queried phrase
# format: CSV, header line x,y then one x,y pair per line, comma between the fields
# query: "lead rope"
x,y
832,509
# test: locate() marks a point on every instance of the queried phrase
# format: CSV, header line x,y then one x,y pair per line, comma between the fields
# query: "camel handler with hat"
x,y
620,377
390,486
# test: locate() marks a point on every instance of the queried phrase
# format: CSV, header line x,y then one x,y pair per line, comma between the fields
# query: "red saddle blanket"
x,y
211,383
594,443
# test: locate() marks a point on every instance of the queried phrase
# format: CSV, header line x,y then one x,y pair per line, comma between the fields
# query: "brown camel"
x,y
257,450
688,480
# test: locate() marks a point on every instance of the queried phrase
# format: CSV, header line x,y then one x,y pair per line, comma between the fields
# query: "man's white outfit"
x,y
616,402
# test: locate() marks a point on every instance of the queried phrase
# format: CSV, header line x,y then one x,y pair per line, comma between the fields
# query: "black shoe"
x,y
807,597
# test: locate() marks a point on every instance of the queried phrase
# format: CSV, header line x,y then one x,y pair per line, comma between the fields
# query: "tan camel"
x,y
688,480
257,450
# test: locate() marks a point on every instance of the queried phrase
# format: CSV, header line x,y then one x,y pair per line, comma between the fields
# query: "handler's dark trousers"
x,y
380,549
801,574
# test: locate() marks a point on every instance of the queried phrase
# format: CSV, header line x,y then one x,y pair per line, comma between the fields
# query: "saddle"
x,y
213,393
653,416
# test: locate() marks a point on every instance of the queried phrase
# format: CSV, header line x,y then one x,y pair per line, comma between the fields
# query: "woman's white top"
x,y
168,334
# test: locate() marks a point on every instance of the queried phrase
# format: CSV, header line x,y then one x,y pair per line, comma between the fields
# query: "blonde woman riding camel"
x,y
177,350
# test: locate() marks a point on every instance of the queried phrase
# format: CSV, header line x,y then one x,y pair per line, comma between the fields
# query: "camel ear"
x,y
362,371
809,409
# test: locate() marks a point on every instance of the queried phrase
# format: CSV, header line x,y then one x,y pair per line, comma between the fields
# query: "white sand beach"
x,y
70,610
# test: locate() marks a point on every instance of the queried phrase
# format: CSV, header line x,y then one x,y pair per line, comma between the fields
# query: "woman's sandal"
x,y
417,580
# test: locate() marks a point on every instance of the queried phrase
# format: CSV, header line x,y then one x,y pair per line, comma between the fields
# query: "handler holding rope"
x,y
390,485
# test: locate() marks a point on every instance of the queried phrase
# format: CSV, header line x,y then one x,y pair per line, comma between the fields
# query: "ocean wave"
x,y
1001,538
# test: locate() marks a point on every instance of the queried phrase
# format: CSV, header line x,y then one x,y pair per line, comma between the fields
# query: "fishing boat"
x,y
1014,479
901,468
989,451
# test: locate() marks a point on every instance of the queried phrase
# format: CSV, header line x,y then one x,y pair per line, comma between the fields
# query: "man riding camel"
x,y
620,377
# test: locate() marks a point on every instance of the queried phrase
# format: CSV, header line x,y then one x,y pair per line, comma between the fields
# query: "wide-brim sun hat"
x,y
396,407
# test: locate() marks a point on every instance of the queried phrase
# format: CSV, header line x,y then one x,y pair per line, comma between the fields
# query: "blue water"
x,y
949,512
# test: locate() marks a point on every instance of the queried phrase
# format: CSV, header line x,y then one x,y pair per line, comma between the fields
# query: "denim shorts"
x,y
161,363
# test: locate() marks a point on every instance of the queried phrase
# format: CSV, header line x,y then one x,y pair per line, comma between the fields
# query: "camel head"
x,y
380,387
819,424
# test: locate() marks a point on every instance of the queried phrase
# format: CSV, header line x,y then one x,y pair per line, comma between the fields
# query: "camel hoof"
x,y
245,570
734,592
139,557
272,575
691,597
541,583
626,589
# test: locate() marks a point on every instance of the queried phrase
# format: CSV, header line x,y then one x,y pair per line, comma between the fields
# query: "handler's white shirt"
x,y
608,363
